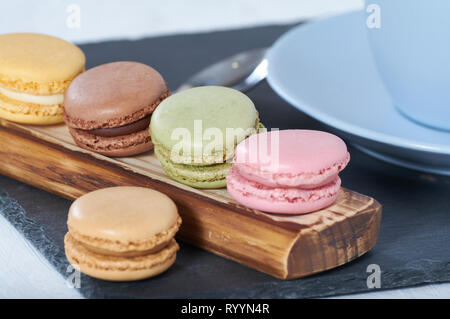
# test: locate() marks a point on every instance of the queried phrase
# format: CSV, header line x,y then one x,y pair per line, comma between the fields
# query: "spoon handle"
x,y
241,72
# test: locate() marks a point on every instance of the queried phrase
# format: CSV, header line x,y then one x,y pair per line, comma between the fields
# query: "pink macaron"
x,y
288,171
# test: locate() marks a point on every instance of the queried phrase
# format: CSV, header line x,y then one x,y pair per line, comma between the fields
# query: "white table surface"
x,y
25,273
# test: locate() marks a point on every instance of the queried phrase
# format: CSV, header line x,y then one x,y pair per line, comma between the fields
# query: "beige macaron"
x,y
122,233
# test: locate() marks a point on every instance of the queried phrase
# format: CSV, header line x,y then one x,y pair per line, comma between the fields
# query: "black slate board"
x,y
415,232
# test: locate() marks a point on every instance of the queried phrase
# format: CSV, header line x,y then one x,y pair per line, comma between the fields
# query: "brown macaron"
x,y
108,108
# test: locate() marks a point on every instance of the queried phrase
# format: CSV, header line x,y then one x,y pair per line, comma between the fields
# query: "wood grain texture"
x,y
284,246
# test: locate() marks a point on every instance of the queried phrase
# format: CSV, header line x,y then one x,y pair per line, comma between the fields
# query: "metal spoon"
x,y
241,72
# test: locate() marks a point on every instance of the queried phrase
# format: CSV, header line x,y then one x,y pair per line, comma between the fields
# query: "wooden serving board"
x,y
282,246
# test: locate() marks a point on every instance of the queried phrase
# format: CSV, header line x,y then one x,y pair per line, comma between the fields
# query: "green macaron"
x,y
196,131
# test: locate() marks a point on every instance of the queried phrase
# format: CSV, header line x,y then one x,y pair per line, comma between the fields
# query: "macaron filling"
x,y
88,259
127,129
280,194
18,107
32,98
126,249
29,113
304,180
130,253
105,144
207,176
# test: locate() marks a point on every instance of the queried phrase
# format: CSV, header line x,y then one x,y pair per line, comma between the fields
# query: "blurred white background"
x,y
84,21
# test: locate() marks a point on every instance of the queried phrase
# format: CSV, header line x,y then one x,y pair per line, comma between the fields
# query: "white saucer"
x,y
326,70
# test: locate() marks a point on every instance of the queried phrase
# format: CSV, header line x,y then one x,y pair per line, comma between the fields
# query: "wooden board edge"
x,y
349,239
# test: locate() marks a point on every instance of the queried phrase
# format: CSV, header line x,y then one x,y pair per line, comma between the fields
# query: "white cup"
x,y
410,40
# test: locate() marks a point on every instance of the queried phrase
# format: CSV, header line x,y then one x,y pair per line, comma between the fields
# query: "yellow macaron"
x,y
122,233
35,70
